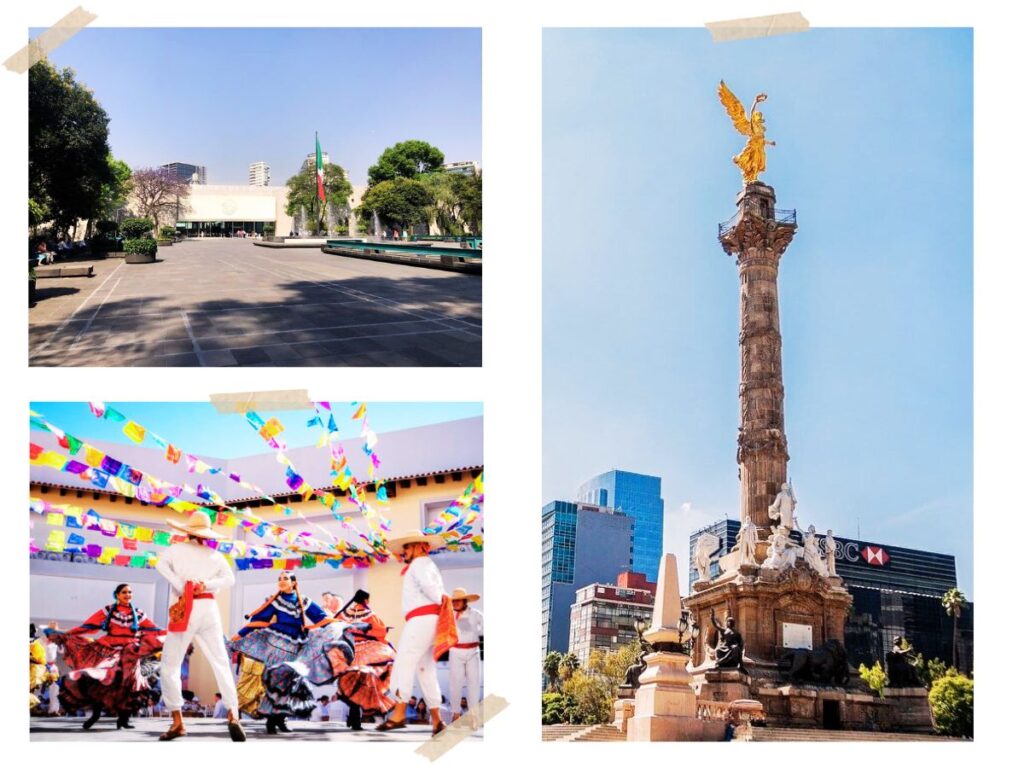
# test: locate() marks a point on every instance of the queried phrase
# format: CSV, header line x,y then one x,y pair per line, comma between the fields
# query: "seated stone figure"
x,y
729,649
899,665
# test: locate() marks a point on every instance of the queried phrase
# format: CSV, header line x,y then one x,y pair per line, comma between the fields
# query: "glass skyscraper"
x,y
639,497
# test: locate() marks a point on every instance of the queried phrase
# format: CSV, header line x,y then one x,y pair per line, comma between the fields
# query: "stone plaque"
x,y
796,636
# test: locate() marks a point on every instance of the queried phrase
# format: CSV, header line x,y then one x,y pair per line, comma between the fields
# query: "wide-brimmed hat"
x,y
461,594
432,540
198,525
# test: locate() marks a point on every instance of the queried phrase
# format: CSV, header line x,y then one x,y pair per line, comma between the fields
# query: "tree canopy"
x,y
68,149
302,191
405,160
399,203
458,201
159,191
114,193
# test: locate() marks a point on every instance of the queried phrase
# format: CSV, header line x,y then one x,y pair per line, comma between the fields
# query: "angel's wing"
x,y
734,108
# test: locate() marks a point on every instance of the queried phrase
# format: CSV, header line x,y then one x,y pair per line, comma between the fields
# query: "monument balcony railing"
x,y
713,710
782,216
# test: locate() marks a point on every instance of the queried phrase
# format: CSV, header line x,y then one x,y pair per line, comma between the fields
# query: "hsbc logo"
x,y
874,555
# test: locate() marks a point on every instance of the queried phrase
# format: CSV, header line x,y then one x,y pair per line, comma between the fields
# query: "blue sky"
x,y
874,132
199,429
225,98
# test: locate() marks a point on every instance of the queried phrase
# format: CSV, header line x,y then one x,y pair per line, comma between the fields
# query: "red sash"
x,y
465,646
188,596
424,610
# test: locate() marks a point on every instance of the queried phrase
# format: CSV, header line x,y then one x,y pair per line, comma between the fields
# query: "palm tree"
x,y
551,663
953,601
569,664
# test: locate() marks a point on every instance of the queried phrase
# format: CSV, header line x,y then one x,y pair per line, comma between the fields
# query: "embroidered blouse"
x,y
281,614
120,623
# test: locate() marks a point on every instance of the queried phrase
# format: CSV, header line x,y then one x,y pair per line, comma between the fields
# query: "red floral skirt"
x,y
117,674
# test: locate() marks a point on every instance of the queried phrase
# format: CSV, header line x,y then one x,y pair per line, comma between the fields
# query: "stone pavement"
x,y
210,730
225,302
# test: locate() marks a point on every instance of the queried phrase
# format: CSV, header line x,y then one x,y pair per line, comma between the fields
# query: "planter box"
x,y
163,243
139,258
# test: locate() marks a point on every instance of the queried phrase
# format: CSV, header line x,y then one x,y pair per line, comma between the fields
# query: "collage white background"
x,y
510,381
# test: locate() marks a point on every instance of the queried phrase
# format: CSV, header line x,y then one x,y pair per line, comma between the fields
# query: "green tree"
x,y
953,601
555,708
400,203
592,701
405,160
875,677
929,671
302,194
551,664
114,193
952,701
159,191
68,149
457,205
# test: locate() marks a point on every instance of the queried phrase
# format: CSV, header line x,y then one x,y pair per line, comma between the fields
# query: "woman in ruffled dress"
x,y
363,682
116,671
291,636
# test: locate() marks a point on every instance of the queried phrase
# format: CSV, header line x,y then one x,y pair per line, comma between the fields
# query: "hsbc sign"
x,y
860,554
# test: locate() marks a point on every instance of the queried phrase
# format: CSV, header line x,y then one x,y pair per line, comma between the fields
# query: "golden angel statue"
x,y
751,160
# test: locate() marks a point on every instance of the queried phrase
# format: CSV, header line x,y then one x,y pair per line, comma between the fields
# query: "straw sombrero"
x,y
415,537
461,594
198,525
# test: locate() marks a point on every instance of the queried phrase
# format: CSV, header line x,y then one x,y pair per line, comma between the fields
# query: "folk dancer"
x,y
464,658
429,628
116,671
291,636
363,684
196,573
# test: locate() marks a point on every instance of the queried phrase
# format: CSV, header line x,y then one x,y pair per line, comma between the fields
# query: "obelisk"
x,y
758,235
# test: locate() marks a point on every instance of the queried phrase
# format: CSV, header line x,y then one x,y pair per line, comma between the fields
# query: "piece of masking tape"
x,y
55,36
456,732
243,402
757,26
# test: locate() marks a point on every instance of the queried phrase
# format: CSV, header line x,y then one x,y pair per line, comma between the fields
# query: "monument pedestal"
x,y
666,704
726,685
911,711
624,710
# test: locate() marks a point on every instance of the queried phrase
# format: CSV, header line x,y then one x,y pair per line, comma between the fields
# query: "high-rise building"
x,y
638,496
464,167
896,592
581,544
187,172
603,615
310,161
259,174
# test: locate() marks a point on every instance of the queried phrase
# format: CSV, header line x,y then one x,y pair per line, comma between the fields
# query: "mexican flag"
x,y
320,172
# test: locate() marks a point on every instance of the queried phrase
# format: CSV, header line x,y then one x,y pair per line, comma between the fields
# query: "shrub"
x,y
106,227
875,677
167,232
555,708
952,702
136,228
145,246
592,702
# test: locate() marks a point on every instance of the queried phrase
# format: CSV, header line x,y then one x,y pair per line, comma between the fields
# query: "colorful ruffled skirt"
x,y
364,681
116,676
293,665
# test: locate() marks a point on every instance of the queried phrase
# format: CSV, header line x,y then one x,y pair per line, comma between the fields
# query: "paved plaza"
x,y
210,730
227,302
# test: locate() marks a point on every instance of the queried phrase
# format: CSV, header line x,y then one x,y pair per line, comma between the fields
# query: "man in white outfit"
x,y
196,573
464,657
423,603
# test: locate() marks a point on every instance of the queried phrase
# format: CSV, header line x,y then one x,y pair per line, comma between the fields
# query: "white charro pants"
x,y
464,667
53,706
205,629
415,659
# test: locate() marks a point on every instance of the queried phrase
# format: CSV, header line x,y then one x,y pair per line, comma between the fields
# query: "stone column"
x,y
666,703
758,238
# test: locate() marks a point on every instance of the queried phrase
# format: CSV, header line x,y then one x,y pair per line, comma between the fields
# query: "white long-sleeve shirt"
x,y
184,561
422,585
470,624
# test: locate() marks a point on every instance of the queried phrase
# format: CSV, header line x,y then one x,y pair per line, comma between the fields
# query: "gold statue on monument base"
x,y
751,160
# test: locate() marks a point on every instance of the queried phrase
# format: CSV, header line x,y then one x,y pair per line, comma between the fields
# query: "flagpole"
x,y
316,213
